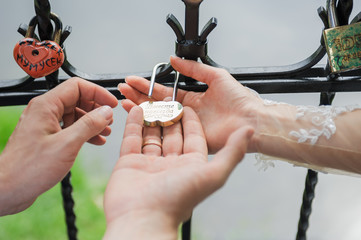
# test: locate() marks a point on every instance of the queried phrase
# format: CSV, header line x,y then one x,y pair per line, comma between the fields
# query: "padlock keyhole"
x,y
35,53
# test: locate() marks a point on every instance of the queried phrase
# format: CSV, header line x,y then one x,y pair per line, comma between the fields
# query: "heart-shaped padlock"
x,y
39,59
161,113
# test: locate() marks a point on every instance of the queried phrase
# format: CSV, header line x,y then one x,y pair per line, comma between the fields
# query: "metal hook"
x,y
152,81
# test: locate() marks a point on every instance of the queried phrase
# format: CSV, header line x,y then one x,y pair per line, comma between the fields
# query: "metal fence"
x,y
305,76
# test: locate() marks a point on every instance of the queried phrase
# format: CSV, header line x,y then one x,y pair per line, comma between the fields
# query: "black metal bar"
x,y
297,71
300,69
68,202
306,208
190,44
192,19
345,83
186,230
335,16
43,10
46,32
326,98
344,9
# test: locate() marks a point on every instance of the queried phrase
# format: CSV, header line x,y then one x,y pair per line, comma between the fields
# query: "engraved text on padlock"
x,y
161,113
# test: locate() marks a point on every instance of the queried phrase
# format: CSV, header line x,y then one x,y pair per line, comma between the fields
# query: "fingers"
x,y
100,138
136,89
196,70
69,119
173,140
152,141
88,126
74,92
133,136
172,137
194,139
127,104
97,140
231,154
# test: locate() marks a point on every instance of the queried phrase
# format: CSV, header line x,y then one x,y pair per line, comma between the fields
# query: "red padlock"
x,y
39,59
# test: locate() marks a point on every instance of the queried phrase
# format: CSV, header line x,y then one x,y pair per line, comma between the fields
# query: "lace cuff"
x,y
325,138
322,118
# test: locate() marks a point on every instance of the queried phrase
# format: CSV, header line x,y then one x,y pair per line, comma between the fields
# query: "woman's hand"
x,y
223,108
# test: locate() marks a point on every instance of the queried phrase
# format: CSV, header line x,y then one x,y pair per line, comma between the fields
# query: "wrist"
x,y
274,121
253,119
142,225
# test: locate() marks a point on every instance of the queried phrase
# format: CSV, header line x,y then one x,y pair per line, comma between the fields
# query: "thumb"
x,y
231,154
88,126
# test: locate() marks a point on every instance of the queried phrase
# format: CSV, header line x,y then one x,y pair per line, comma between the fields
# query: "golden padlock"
x,y
343,43
161,113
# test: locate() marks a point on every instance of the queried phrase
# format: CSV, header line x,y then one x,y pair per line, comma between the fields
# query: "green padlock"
x,y
343,43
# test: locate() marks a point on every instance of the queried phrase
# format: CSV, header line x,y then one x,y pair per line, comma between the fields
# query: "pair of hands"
x,y
166,182
155,188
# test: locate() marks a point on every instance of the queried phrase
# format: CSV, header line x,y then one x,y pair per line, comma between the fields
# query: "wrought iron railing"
x,y
305,76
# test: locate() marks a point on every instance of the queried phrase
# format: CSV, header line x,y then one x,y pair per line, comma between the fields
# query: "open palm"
x,y
172,178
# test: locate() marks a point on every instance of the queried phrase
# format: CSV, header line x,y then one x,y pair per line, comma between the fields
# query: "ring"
x,y
152,142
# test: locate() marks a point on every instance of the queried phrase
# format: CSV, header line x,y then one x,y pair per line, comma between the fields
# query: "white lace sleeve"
x,y
323,138
322,118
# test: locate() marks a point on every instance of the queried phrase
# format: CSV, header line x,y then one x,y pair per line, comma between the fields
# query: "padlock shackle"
x,y
152,81
332,14
57,32
58,27
175,88
31,29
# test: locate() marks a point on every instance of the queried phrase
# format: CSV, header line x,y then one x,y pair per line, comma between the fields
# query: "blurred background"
x,y
132,36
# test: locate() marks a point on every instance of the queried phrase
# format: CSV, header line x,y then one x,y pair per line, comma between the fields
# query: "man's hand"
x,y
48,137
162,174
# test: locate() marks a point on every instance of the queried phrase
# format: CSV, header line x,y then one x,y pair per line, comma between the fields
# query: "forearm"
x,y
142,225
11,195
325,137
